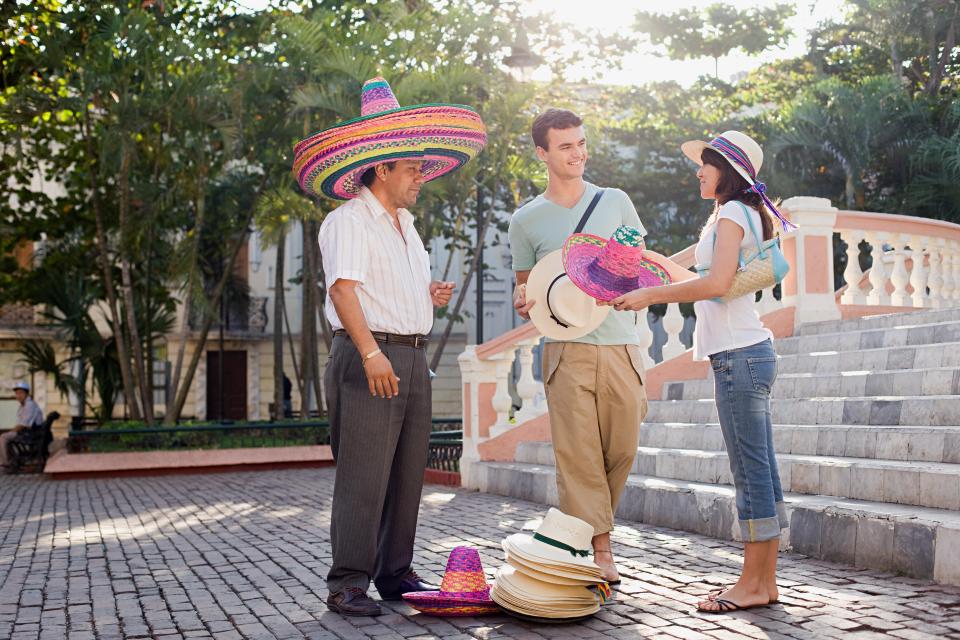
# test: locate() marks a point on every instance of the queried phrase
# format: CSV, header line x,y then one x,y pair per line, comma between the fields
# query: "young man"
x,y
29,415
380,301
594,384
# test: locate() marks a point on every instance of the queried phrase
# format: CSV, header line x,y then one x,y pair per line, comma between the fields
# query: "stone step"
x,y
927,411
882,321
919,444
880,359
917,541
925,484
851,383
855,339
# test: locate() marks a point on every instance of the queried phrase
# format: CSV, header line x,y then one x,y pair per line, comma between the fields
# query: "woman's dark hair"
x,y
733,186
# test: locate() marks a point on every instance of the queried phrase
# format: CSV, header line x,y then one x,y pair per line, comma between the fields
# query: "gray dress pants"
x,y
380,447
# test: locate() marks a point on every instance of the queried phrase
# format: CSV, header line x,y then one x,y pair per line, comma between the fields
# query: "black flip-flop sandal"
x,y
728,606
715,593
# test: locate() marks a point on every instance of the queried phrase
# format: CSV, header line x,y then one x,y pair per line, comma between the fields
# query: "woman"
x,y
740,350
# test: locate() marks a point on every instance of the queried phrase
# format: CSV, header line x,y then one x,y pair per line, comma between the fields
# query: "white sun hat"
x,y
560,540
562,311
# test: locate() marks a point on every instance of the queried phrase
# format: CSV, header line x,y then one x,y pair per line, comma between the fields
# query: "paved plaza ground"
x,y
244,555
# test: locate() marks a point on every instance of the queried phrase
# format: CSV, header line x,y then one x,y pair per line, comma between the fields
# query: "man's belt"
x,y
416,340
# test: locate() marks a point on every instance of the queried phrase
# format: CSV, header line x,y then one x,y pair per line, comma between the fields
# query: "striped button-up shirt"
x,y
29,413
358,241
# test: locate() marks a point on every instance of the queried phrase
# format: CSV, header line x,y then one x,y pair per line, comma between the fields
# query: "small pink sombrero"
x,y
463,592
607,269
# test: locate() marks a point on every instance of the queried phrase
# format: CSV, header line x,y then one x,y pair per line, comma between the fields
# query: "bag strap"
x,y
756,238
590,208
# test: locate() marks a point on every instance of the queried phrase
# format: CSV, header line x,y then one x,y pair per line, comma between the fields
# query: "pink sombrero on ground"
x,y
463,592
444,136
607,269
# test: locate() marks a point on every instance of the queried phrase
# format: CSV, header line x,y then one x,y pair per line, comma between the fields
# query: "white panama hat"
x,y
562,311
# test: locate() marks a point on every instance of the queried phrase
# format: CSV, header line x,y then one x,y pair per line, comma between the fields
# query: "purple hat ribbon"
x,y
761,189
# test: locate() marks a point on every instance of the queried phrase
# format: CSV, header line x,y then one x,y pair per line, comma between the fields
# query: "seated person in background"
x,y
29,416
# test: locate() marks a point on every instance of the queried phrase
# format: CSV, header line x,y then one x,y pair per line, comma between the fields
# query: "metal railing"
x,y
205,436
444,449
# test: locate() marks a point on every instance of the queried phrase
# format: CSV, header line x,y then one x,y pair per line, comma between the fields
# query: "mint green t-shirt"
x,y
542,226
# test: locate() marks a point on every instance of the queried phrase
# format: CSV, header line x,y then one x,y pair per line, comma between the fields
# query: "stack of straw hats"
x,y
549,575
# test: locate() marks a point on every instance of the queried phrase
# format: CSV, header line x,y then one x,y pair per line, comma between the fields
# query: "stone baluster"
x,y
767,302
955,250
673,325
645,336
502,401
527,386
920,273
935,273
947,283
878,295
899,276
853,274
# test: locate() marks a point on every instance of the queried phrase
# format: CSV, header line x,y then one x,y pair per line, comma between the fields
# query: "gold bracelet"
x,y
372,354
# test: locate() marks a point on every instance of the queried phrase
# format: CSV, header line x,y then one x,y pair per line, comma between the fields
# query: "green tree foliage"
x,y
716,30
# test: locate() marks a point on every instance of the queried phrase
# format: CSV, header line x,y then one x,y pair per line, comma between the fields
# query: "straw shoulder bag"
x,y
759,268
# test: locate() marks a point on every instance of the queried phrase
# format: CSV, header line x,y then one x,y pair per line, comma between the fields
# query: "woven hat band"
x,y
735,154
560,545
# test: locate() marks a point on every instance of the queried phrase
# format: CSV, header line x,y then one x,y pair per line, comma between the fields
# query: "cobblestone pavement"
x,y
243,555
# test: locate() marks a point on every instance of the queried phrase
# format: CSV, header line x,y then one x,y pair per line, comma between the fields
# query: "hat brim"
x,y
693,149
331,161
542,274
550,573
438,598
517,606
526,546
580,250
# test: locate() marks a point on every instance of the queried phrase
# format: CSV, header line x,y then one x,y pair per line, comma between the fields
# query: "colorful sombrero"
x,y
463,592
444,136
606,269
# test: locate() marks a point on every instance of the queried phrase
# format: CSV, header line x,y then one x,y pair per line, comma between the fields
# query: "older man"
x,y
380,301
29,416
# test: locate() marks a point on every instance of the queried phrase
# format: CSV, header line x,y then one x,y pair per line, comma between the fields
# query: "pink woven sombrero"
x,y
463,592
444,136
607,269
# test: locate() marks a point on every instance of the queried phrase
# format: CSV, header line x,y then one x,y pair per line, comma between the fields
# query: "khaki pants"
x,y
596,400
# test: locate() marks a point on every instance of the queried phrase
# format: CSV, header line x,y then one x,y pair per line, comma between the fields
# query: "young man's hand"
x,y
520,302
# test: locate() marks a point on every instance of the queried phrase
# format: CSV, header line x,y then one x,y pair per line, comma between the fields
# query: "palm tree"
x,y
850,127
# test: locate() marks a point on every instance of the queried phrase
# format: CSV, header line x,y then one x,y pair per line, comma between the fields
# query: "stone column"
x,y
809,249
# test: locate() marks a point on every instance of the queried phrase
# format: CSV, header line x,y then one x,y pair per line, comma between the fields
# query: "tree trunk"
x,y
850,191
139,372
210,314
939,66
200,208
278,293
307,322
462,296
106,268
293,351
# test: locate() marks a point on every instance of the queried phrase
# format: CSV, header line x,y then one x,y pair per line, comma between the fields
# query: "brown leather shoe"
x,y
353,601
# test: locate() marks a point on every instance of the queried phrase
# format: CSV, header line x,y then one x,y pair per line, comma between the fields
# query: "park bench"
x,y
31,446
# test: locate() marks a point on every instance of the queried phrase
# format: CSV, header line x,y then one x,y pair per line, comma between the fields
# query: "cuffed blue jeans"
x,y
743,379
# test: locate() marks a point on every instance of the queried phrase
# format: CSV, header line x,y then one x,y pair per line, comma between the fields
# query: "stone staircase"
x,y
867,430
